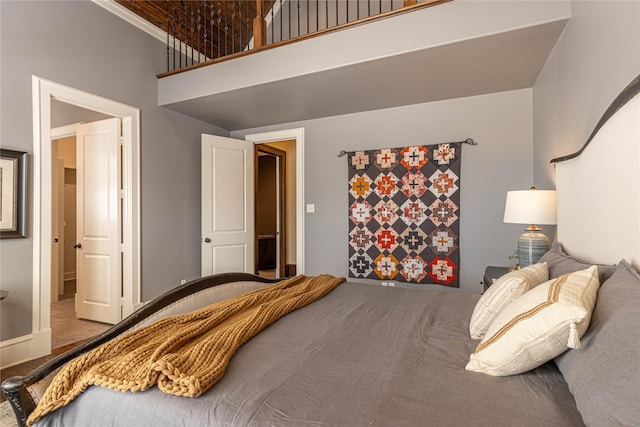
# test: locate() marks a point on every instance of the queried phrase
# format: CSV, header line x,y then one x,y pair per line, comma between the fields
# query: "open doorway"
x,y
66,326
228,200
271,215
45,94
275,207
291,141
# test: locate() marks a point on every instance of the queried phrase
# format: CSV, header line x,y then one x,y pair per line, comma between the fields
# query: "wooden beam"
x,y
410,2
259,26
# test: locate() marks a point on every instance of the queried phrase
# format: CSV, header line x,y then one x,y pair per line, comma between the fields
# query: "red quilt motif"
x,y
404,214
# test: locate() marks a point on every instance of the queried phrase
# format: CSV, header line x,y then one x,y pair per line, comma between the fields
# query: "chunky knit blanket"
x,y
186,354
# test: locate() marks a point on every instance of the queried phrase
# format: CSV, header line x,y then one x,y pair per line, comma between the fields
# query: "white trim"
x,y
40,312
298,135
16,351
139,305
22,349
64,131
133,19
44,91
130,213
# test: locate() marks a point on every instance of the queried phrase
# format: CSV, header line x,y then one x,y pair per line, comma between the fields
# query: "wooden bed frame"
x,y
17,389
579,232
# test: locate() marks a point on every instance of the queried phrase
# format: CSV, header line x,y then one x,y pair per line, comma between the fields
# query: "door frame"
x,y
44,92
281,204
57,279
56,135
298,135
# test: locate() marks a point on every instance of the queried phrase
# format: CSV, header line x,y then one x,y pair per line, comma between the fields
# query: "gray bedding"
x,y
362,355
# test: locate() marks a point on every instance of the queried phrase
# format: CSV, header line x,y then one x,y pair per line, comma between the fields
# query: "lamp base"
x,y
531,246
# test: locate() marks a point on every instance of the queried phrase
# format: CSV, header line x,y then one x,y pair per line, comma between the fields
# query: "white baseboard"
x,y
138,305
41,343
27,347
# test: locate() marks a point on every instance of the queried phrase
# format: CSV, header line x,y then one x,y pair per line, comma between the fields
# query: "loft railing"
x,y
206,31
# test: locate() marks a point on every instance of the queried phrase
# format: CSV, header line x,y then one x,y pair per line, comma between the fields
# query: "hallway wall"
x,y
80,44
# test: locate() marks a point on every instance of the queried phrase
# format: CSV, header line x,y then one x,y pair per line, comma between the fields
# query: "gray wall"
x,y
79,44
500,123
63,114
597,55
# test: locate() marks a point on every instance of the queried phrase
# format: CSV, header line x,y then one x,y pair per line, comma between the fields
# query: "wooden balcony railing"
x,y
208,31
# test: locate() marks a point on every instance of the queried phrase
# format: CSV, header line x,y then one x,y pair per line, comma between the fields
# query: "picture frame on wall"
x,y
13,194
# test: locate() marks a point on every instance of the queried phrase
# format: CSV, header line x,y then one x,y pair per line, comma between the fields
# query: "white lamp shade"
x,y
531,207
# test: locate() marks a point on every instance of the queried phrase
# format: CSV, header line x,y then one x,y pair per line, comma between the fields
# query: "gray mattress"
x,y
363,355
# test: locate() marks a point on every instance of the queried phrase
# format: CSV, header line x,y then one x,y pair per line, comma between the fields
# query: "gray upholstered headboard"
x,y
599,187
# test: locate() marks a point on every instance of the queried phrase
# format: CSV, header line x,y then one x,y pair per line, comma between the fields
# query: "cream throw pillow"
x,y
538,326
503,292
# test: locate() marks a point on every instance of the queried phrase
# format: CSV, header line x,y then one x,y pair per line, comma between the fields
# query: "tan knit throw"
x,y
184,354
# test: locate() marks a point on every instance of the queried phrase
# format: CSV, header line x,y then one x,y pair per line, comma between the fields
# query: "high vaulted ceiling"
x,y
422,56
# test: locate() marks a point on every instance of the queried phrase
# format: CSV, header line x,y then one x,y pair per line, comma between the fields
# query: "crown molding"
x,y
132,18
146,26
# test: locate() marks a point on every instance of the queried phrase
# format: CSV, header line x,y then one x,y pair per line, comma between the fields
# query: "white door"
x,y
227,205
99,283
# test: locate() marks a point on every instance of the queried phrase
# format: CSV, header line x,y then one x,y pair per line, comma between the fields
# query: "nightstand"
x,y
491,273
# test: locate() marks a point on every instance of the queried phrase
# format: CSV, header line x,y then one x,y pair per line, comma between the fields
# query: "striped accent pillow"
x,y
503,292
538,326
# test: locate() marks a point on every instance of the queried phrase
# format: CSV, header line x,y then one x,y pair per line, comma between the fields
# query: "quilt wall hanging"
x,y
404,214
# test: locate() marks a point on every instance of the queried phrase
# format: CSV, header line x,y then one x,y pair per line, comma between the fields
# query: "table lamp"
x,y
531,207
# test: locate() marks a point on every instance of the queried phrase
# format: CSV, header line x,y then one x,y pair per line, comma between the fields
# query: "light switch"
x,y
311,208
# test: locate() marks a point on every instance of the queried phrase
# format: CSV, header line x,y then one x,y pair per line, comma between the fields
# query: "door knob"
x,y
207,240
77,245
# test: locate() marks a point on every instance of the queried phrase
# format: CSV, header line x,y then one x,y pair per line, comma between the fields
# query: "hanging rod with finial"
x,y
469,141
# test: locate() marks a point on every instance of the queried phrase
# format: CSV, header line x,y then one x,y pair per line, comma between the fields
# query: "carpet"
x,y
7,417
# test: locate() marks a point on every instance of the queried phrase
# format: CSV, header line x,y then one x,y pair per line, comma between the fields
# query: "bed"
x,y
370,355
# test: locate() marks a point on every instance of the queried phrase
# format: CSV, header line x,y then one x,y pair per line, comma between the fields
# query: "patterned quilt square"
x,y
404,214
